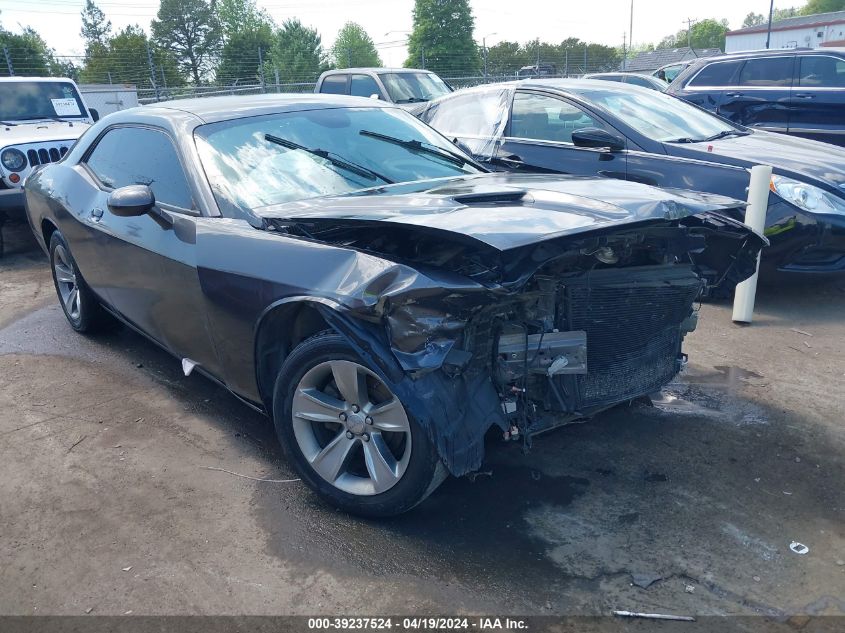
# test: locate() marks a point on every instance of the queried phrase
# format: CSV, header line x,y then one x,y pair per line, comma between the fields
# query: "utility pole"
x,y
631,28
585,59
152,71
484,49
276,73
261,70
690,22
422,56
769,30
624,53
9,62
538,56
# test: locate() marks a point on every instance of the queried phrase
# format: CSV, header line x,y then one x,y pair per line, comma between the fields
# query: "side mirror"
x,y
375,96
597,139
131,201
95,115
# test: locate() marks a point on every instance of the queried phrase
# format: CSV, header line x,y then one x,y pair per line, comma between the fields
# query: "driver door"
x,y
539,139
150,260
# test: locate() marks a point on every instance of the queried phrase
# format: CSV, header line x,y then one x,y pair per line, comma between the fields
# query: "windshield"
x,y
318,153
661,117
411,87
32,100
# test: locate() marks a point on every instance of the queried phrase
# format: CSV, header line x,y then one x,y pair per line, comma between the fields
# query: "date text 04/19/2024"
x,y
417,623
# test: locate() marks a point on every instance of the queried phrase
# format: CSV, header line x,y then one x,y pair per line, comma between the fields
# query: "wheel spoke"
x,y
64,274
71,301
380,463
351,383
329,462
312,404
389,416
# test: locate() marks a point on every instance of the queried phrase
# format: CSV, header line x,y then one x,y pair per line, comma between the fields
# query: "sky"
x,y
388,21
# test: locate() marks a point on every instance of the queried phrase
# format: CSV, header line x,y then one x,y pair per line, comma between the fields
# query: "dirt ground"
x,y
109,501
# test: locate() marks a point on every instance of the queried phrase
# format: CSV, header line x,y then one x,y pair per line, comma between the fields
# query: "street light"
x,y
484,49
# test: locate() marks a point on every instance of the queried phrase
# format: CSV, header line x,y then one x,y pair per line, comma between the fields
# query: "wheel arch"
x,y
48,227
281,327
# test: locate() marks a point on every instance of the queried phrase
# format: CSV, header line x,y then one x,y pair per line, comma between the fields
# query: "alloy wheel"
x,y
66,282
351,428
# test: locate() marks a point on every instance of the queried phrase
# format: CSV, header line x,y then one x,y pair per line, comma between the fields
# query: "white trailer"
x,y
108,98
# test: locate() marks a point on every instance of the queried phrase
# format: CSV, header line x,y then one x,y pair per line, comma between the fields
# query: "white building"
x,y
806,31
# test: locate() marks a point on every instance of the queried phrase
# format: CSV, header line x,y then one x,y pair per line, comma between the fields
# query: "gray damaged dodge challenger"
x,y
345,269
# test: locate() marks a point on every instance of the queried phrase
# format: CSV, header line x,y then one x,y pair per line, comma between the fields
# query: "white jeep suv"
x,y
40,119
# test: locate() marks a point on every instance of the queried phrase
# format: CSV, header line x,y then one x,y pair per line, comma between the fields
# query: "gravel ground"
x,y
109,500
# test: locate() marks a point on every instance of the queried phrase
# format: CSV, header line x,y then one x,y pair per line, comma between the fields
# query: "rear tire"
x,y
81,307
348,435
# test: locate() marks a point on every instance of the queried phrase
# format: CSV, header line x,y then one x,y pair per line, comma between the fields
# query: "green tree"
x,y
95,27
354,48
239,59
297,53
29,53
782,14
241,16
441,39
190,31
753,19
123,59
822,6
505,58
708,33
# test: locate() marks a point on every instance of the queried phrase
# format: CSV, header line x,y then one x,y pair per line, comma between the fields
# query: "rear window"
x,y
334,85
716,74
821,71
770,71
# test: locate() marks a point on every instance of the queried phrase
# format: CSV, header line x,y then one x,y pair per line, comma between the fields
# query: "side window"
x,y
139,156
821,71
334,85
364,86
716,75
638,81
473,114
545,118
768,71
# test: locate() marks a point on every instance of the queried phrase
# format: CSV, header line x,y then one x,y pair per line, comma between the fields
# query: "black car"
x,y
341,267
635,79
586,127
799,92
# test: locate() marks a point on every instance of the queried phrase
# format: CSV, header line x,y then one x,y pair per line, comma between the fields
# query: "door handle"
x,y
733,94
804,95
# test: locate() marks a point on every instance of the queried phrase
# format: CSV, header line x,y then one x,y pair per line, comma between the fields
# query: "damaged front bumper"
x,y
534,337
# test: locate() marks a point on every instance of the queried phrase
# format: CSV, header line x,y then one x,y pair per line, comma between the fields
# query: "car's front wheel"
x,y
349,436
80,305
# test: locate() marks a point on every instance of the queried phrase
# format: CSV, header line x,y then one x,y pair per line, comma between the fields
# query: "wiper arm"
x,y
686,139
419,146
333,158
726,133
8,123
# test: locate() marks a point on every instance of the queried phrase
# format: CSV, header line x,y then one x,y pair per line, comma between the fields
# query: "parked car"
x,y
635,79
537,70
669,72
343,268
593,128
40,118
406,87
798,92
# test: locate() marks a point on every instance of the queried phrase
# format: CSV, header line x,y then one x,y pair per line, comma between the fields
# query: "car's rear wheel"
x,y
81,307
349,436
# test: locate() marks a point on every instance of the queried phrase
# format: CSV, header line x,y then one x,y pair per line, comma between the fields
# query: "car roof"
x,y
213,109
18,78
337,71
619,73
772,52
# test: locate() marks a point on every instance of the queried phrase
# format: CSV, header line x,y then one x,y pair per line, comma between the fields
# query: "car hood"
x,y
788,155
506,211
23,133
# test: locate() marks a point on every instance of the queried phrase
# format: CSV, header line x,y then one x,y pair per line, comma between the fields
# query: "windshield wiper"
x,y
686,139
8,123
49,118
725,134
412,100
418,146
333,158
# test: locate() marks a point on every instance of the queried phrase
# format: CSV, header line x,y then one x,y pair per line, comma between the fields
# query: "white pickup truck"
x,y
40,119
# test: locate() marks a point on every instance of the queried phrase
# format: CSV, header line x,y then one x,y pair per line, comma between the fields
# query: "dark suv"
x,y
799,92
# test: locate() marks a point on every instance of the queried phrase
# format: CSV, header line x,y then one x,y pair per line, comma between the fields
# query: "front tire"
x,y
348,435
81,307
